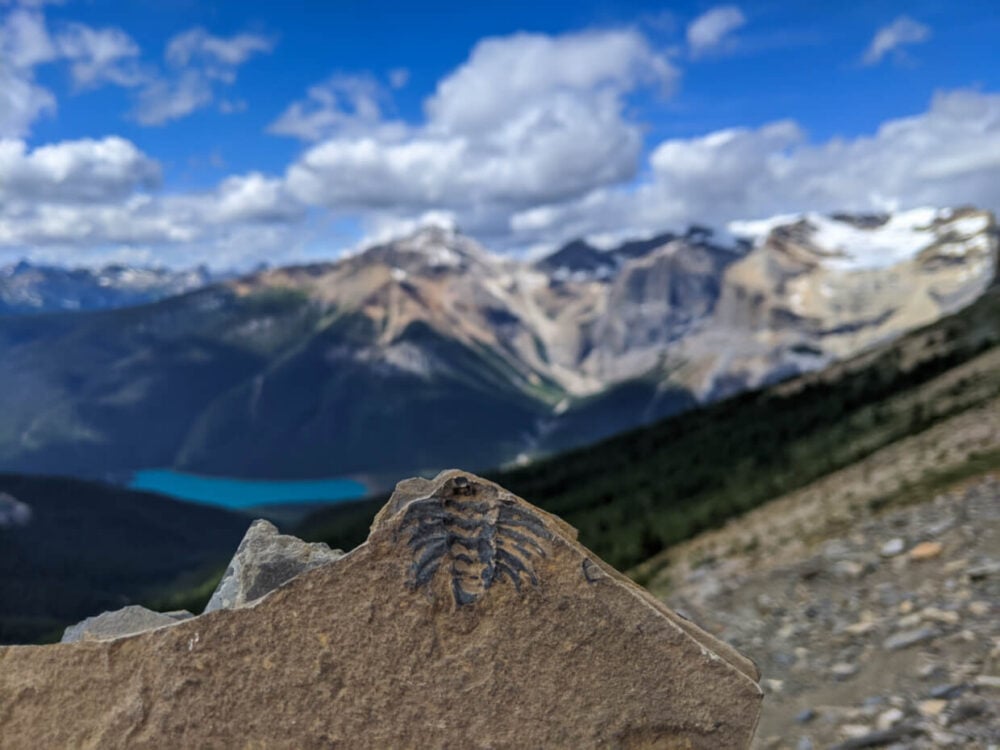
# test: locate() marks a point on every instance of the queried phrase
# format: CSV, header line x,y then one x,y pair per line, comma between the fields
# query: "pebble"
x,y
889,719
860,628
853,731
926,551
946,692
805,716
909,638
933,707
842,670
944,616
982,572
893,547
979,608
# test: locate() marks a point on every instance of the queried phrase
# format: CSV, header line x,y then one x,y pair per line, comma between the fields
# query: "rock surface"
x,y
264,561
468,619
126,621
860,650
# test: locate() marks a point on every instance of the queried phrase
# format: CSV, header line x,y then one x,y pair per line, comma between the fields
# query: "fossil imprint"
x,y
481,539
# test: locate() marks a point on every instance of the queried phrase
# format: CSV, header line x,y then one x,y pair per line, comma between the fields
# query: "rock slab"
x,y
126,621
264,561
468,619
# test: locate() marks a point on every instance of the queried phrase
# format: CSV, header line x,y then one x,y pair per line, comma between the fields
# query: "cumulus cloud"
x,y
712,31
83,171
197,64
527,118
901,32
947,155
102,196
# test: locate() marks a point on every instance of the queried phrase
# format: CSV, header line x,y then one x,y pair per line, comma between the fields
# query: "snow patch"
x,y
848,247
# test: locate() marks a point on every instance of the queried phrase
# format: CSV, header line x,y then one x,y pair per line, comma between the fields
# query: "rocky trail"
x,y
881,633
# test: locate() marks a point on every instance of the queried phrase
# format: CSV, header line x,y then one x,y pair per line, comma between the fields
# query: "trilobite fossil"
x,y
480,540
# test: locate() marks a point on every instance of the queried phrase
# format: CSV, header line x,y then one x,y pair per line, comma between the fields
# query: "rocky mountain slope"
x,y
429,351
26,288
871,628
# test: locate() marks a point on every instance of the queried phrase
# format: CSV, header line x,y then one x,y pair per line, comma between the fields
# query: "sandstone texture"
x,y
468,619
265,560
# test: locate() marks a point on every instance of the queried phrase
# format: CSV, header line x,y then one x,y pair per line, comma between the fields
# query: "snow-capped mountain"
x,y
430,351
820,288
28,288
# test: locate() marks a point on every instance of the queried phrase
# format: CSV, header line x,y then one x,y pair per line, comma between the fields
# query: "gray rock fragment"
x,y
126,621
264,561
908,638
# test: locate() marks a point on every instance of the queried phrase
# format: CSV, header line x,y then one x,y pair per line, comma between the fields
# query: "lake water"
x,y
240,494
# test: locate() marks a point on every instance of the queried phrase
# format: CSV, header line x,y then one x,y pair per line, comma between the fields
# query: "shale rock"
x,y
265,560
125,621
468,619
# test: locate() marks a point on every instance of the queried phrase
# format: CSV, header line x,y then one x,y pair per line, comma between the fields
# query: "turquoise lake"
x,y
240,494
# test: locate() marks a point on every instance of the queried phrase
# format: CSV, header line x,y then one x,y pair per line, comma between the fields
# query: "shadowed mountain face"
x,y
428,351
84,547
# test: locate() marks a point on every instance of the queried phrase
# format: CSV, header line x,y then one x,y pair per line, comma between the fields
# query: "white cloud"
x,y
83,171
198,63
901,32
100,198
24,44
949,155
712,30
164,99
254,198
341,105
526,119
100,55
230,53
22,102
512,73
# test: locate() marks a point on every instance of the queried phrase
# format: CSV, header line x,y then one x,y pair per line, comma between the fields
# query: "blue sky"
x,y
230,133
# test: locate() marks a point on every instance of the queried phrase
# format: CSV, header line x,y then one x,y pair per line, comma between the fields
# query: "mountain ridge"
x,y
429,351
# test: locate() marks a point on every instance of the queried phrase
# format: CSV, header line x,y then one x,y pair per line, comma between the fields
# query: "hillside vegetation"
x,y
91,547
633,495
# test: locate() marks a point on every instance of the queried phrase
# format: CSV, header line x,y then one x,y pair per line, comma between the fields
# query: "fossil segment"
x,y
479,539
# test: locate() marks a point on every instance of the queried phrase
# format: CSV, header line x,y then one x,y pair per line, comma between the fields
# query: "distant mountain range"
x,y
429,351
27,288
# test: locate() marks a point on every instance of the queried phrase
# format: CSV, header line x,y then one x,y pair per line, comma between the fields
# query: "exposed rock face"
x,y
265,560
469,618
126,621
816,289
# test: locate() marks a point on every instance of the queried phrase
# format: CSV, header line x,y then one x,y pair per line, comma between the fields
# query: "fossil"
x,y
480,540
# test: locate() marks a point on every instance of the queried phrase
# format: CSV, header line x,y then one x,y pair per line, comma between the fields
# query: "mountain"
x,y
78,548
888,427
26,288
429,351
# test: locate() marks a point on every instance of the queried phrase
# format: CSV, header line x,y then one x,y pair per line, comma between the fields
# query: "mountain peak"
x,y
433,246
